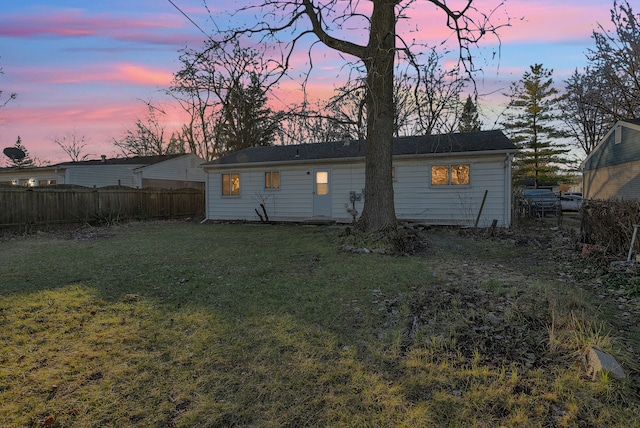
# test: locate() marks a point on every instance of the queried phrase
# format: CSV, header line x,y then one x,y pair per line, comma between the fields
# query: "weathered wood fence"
x,y
48,206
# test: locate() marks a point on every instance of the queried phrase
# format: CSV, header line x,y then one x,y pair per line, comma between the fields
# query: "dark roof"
x,y
632,121
415,145
136,160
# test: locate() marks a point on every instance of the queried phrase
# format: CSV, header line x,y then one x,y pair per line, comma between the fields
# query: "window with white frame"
x,y
450,175
231,184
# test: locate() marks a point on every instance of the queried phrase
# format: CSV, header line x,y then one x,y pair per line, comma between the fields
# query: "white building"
x,y
450,179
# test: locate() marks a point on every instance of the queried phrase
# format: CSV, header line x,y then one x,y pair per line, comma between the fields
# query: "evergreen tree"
x,y
532,120
469,119
245,120
21,162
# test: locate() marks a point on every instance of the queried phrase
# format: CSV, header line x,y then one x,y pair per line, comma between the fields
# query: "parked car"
x,y
540,203
571,202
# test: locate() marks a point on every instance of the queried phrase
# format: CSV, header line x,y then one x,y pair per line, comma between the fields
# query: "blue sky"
x,y
85,67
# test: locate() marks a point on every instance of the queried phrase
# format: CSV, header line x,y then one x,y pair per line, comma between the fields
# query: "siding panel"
x,y
415,199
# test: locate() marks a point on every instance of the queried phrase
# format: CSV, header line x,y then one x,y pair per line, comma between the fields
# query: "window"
x,y
272,180
450,175
230,184
322,182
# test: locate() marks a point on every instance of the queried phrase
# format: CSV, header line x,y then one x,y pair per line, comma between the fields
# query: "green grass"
x,y
186,325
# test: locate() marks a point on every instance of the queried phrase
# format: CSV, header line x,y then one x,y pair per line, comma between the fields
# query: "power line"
x,y
188,17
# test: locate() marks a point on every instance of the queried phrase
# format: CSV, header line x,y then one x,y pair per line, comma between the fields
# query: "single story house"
x,y
612,169
438,179
167,171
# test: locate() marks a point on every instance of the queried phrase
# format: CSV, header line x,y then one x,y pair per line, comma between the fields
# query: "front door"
x,y
322,192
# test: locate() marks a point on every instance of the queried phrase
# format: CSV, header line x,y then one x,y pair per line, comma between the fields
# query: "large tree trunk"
x,y
379,213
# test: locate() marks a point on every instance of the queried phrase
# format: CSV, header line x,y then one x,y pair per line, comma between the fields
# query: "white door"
x,y
322,192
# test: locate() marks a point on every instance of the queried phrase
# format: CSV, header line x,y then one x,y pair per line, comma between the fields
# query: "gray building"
x,y
612,169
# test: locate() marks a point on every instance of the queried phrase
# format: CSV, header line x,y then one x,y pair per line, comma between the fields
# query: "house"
x,y
612,169
168,171
450,179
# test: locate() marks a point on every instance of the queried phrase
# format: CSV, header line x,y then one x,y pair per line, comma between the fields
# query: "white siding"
x,y
415,198
183,168
101,175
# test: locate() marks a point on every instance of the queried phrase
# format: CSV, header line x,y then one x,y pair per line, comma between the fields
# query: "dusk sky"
x,y
85,67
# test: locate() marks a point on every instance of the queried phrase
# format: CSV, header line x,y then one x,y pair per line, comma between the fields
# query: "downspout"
x,y
507,189
206,196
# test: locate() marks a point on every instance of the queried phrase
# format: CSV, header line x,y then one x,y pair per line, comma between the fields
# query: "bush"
x,y
609,224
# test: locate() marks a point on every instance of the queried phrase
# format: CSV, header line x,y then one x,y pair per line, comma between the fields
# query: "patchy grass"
x,y
179,325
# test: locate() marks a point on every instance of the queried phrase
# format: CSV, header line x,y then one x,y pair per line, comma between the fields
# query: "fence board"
x,y
42,206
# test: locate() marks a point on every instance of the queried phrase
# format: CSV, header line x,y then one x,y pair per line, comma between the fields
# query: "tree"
x,y
285,24
608,89
438,96
585,121
532,123
469,119
21,162
616,58
246,120
425,103
148,137
73,145
12,95
223,89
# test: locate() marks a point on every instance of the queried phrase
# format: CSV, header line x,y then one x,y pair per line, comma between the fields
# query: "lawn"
x,y
177,324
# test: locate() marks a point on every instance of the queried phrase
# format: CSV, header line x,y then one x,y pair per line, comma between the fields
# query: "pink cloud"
x,y
137,74
77,23
121,73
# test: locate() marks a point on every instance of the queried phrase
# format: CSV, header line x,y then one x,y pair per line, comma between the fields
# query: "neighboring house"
x,y
32,176
612,169
438,179
168,171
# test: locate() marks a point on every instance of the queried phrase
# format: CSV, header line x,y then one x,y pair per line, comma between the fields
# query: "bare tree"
x,y
616,57
311,123
12,95
285,23
425,103
73,145
223,89
586,122
438,92
149,136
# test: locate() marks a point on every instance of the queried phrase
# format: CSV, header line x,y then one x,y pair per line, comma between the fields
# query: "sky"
x,y
86,68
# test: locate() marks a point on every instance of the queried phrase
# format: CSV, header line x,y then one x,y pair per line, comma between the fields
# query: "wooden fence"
x,y
47,206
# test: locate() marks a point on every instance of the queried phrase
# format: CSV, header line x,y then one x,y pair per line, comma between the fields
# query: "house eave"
x,y
353,159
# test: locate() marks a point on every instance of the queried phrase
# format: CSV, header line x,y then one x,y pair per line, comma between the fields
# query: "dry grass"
x,y
181,325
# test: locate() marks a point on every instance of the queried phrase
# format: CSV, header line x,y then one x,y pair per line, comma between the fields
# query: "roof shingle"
x,y
419,145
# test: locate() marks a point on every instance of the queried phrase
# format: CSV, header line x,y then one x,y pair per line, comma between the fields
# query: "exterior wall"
x,y
32,177
292,201
101,175
179,172
415,198
608,153
614,182
612,169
